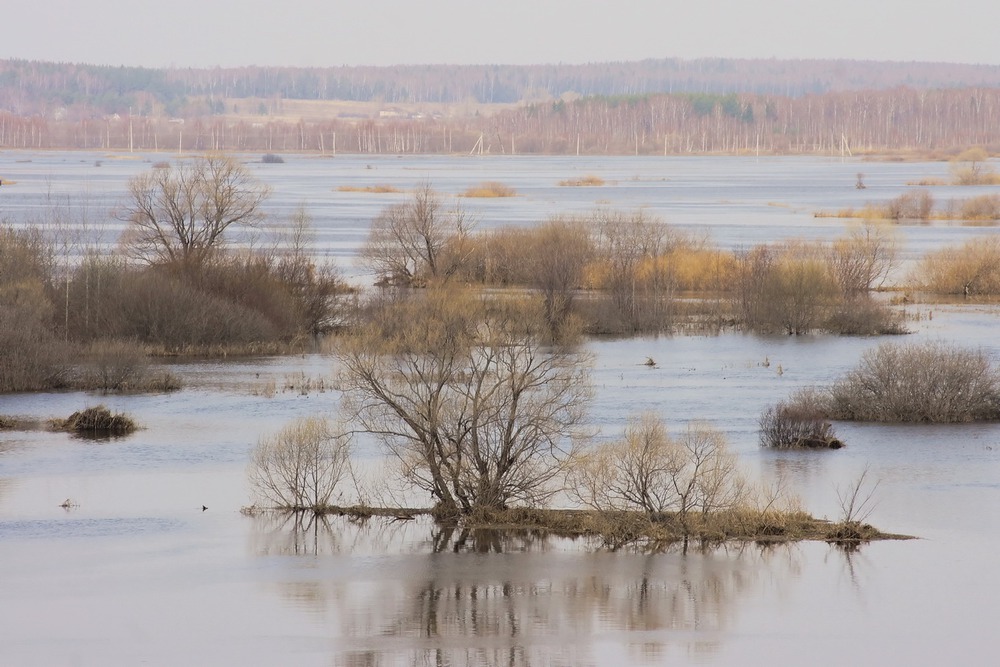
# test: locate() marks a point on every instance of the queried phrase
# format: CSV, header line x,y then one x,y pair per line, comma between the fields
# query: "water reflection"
x,y
413,593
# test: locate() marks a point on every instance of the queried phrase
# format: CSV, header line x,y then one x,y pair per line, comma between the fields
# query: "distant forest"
x,y
647,107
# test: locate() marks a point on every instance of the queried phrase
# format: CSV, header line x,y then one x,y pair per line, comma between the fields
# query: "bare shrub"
x,y
916,205
857,502
632,253
983,207
863,260
970,168
788,288
648,470
122,366
301,466
158,309
919,382
272,158
796,425
115,365
972,268
557,258
417,243
864,316
32,358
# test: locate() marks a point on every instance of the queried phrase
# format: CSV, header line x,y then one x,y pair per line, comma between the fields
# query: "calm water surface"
x,y
138,573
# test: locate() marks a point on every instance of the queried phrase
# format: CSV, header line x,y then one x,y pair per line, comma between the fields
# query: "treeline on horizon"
x,y
933,123
87,91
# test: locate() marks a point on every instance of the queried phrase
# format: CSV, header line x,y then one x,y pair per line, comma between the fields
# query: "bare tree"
x,y
418,242
300,467
558,257
180,215
864,259
634,249
467,397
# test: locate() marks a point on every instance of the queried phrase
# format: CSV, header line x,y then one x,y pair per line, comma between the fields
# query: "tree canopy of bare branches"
x,y
179,215
300,467
464,393
418,242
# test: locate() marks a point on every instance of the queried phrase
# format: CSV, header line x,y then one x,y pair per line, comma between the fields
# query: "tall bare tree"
x,y
467,397
179,215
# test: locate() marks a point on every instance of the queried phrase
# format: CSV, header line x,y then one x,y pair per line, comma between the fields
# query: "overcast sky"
x,y
206,33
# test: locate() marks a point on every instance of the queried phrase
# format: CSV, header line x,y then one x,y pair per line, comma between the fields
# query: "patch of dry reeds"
x,y
96,421
489,190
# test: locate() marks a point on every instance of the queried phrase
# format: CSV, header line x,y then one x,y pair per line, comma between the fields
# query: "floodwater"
x,y
136,572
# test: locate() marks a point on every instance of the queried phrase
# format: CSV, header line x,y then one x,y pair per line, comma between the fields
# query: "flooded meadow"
x,y
152,562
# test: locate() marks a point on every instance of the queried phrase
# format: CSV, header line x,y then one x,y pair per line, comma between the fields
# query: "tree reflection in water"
x,y
416,593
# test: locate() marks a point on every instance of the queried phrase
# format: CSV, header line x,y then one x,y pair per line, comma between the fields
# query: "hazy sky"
x,y
205,33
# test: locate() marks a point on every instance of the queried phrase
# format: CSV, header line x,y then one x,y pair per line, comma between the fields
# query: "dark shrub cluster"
x,y
797,426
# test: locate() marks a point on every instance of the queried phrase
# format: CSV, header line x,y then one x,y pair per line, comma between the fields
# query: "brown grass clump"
x,y
374,189
490,189
96,421
981,208
583,181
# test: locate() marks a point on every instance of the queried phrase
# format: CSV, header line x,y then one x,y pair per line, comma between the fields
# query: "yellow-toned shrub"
x,y
972,268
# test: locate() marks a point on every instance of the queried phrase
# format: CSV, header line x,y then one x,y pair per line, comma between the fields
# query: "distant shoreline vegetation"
x,y
668,107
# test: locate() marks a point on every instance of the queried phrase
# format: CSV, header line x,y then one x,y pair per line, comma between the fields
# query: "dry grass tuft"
x,y
96,421
489,190
584,181
374,189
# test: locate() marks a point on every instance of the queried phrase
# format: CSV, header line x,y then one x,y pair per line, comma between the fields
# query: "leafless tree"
x,y
634,249
558,257
466,395
864,259
180,215
417,242
300,467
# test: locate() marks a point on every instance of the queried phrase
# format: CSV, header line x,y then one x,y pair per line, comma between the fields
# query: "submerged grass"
x,y
374,189
583,181
489,190
619,529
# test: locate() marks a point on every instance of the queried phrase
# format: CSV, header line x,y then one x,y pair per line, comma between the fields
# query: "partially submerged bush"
x,y
920,382
915,205
971,269
97,421
983,207
864,316
797,425
271,158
